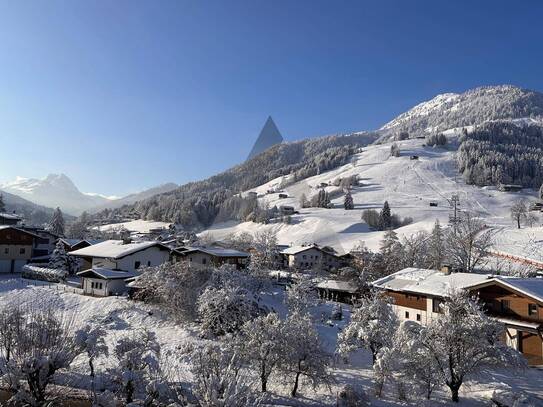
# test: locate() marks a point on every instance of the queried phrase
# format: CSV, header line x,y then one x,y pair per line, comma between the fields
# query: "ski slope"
x,y
408,185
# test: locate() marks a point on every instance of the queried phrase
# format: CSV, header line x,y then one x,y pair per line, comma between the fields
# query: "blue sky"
x,y
125,95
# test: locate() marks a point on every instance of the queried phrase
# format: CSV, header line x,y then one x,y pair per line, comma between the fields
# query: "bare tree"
x,y
467,244
519,211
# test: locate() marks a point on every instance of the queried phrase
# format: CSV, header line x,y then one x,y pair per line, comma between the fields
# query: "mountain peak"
x,y
268,137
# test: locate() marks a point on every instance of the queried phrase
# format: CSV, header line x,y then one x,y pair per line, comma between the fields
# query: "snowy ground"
x,y
121,316
137,226
408,185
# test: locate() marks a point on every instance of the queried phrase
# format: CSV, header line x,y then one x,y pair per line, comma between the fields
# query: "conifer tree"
x,y
385,217
2,204
59,259
348,202
436,246
56,224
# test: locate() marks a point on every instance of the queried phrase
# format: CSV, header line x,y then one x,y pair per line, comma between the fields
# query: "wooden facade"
x,y
413,301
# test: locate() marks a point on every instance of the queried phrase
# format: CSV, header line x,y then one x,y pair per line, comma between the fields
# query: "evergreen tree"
x,y
385,217
59,259
304,203
541,192
437,246
2,204
348,202
56,225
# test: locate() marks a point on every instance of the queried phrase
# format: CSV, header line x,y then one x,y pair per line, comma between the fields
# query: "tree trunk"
x,y
263,378
454,391
518,222
296,382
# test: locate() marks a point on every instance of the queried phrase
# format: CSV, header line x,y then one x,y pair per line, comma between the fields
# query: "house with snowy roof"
x,y
310,256
123,255
338,290
101,282
213,256
417,295
16,246
9,219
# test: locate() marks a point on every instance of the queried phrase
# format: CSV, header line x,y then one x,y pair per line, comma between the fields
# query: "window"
x,y
436,305
149,264
418,317
190,258
22,250
506,305
6,250
204,260
406,314
137,265
303,256
532,309
92,284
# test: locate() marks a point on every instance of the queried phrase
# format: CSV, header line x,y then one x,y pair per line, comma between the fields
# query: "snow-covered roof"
x,y
115,249
300,249
217,251
337,285
73,242
10,216
430,282
106,274
2,227
531,287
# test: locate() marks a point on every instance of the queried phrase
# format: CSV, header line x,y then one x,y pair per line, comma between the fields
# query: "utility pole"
x,y
454,218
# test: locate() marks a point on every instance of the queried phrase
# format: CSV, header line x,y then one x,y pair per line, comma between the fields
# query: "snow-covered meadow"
x,y
120,317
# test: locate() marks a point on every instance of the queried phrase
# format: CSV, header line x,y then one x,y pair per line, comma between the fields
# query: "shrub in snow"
x,y
220,379
40,344
464,341
137,356
33,272
91,340
510,398
175,287
372,325
348,396
225,309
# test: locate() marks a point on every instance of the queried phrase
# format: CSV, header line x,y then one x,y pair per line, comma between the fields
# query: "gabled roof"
x,y
2,227
115,249
10,216
106,274
429,282
300,249
216,252
531,287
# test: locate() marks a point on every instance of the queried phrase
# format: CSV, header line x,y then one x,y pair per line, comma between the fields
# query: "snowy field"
x,y
408,185
120,316
137,226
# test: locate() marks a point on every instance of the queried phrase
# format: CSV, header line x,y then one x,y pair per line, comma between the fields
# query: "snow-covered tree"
x,y
468,243
415,250
91,340
392,253
43,344
300,296
436,246
262,343
394,150
175,287
407,362
220,379
2,204
304,203
56,224
385,217
225,309
304,354
464,341
541,192
264,251
372,325
348,202
138,360
240,241
59,260
519,211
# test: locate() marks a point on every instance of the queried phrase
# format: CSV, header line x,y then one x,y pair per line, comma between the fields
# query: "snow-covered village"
x,y
295,204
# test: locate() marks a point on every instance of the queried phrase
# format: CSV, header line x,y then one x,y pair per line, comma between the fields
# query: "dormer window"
x,y
532,309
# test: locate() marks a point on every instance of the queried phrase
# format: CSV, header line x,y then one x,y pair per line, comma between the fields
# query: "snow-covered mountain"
x,y
475,106
132,198
52,191
59,190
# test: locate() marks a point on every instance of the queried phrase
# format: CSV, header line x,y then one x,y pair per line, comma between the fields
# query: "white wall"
x,y
151,256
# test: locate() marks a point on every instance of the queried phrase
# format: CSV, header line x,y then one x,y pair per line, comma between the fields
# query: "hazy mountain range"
x,y
59,190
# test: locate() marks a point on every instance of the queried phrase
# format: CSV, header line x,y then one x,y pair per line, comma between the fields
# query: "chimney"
x,y
446,269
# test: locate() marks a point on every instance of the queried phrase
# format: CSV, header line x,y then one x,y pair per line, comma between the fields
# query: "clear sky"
x,y
125,95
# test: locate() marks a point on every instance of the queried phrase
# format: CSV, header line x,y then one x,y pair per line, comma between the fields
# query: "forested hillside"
x,y
197,204
502,153
470,108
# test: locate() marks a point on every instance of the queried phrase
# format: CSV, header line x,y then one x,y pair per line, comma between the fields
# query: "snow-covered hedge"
x,y
36,272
